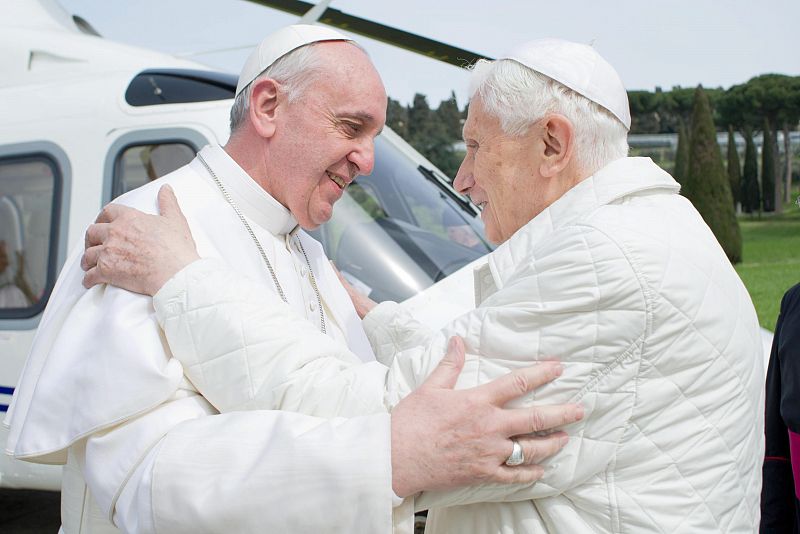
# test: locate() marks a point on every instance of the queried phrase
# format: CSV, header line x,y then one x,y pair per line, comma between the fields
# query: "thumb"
x,y
168,203
446,373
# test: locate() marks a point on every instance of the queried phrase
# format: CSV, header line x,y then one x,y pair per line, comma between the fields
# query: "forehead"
x,y
349,81
479,120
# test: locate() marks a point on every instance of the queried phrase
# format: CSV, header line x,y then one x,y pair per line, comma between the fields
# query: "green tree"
x,y
751,192
449,116
768,190
429,136
707,186
788,118
681,172
644,111
734,169
397,118
775,97
420,121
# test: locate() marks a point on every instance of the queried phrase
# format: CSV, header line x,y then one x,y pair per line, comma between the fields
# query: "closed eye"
x,y
352,128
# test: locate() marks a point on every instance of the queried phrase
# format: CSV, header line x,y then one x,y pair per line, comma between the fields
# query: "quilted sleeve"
x,y
576,298
391,329
243,348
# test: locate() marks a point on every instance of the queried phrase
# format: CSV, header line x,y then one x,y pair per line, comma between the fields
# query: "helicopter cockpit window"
x,y
29,187
394,233
179,86
140,164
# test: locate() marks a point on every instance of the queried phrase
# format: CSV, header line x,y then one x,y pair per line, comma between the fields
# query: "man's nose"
x,y
464,179
363,157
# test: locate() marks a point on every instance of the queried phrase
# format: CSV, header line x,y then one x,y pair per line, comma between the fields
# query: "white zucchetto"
x,y
278,44
578,67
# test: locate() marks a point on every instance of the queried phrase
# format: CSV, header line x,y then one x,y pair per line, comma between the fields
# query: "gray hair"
x,y
519,97
294,71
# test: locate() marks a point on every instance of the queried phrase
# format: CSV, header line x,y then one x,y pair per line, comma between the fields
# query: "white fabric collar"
x,y
254,202
618,179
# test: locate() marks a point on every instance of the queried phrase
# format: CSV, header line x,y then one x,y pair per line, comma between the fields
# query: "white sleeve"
x,y
244,348
391,329
246,472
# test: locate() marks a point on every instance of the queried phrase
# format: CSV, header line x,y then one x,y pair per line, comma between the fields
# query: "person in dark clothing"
x,y
780,507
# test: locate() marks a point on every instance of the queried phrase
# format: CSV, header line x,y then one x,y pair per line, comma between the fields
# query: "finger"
x,y
96,234
535,449
89,258
92,278
521,381
110,212
529,420
520,474
168,204
446,373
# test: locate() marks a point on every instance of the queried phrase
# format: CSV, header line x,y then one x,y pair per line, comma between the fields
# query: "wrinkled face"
x,y
499,173
325,138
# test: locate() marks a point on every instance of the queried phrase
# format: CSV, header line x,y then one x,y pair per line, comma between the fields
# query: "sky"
x,y
716,43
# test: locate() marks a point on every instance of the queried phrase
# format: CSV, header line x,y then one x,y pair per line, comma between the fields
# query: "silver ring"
x,y
516,458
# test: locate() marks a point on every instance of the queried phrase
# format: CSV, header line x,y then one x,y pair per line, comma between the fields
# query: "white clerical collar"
x,y
254,202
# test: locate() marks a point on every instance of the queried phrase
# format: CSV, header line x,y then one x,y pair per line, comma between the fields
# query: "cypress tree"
x,y
751,194
768,169
734,169
681,171
707,184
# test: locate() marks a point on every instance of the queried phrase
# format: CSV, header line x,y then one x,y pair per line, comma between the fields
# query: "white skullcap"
x,y
578,67
278,44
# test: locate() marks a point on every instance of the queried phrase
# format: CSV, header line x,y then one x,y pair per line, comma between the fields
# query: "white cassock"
x,y
101,393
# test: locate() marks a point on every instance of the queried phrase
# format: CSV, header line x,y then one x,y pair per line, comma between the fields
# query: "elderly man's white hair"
x,y
519,96
295,71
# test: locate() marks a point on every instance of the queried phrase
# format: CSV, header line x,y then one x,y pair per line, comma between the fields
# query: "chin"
x,y
315,222
492,235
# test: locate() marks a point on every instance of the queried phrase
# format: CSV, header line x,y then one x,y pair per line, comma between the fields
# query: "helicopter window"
x,y
140,164
177,86
394,233
29,187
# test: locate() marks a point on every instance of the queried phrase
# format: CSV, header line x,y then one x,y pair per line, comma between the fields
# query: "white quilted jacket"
x,y
622,280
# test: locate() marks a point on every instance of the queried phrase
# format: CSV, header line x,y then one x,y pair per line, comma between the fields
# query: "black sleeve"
x,y
780,510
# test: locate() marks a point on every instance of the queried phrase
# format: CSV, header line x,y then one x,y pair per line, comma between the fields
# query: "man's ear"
x,y
264,102
558,136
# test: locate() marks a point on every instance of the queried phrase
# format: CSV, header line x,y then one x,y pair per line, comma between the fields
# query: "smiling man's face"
x,y
326,137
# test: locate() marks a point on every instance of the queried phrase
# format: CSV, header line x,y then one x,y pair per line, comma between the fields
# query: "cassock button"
x,y
312,306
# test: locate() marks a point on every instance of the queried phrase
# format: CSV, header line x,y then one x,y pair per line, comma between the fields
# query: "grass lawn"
x,y
771,251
